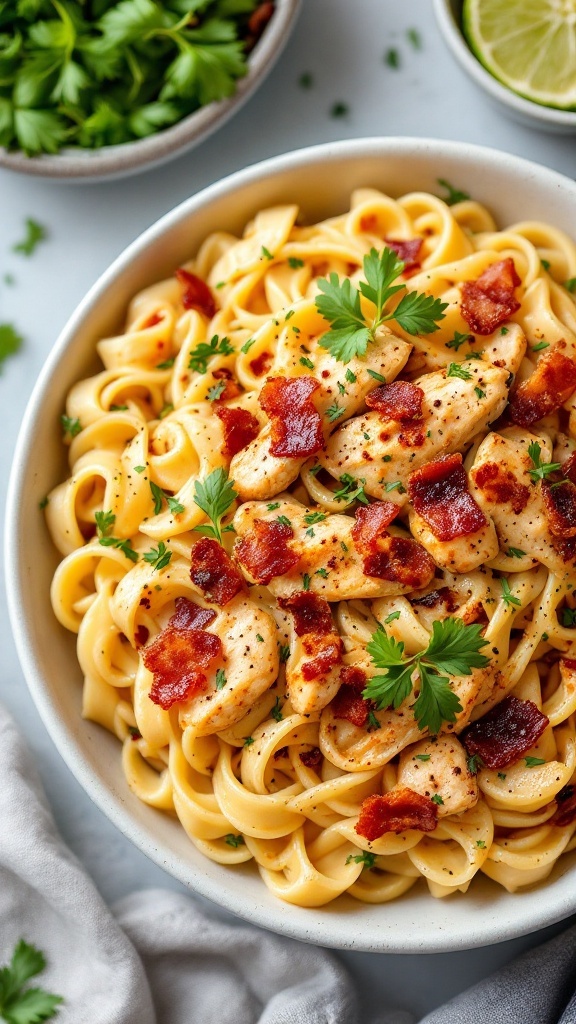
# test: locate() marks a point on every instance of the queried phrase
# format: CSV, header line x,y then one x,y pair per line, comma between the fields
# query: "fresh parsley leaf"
x,y
284,653
199,356
70,425
220,679
166,410
422,757
351,490
314,517
334,412
372,721
480,844
507,595
10,342
158,557
215,496
540,346
19,1005
248,741
515,553
474,764
294,263
367,860
174,505
322,572
390,618
306,581
284,521
568,617
396,485
392,59
245,348
545,264
376,376
232,840
276,711
167,364
502,776
266,254
437,799
457,370
35,233
479,393
533,762
541,470
304,361
455,195
273,505
158,496
350,377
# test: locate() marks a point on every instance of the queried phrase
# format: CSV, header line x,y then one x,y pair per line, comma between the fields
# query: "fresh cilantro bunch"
x,y
19,1005
96,73
350,332
453,649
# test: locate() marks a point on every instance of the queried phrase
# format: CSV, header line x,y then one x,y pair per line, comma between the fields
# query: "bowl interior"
x,y
320,180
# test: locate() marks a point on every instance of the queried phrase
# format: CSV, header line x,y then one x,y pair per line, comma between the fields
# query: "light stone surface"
x,y
342,43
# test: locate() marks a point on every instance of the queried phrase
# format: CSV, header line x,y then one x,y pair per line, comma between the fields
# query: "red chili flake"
x,y
399,400
261,364
264,551
141,635
189,615
489,301
547,388
311,758
152,321
500,486
560,507
231,388
296,423
398,811
439,493
179,654
505,732
408,251
196,293
349,703
213,572
566,812
371,524
240,428
311,613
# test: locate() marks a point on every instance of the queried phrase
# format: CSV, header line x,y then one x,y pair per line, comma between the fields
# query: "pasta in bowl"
x,y
317,546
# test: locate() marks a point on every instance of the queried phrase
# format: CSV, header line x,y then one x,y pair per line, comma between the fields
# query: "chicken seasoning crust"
x,y
319,548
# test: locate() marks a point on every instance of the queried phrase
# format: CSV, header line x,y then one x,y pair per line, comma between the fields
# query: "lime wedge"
x,y
528,45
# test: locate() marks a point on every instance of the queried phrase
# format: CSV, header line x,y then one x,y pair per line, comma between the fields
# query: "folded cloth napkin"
x,y
157,958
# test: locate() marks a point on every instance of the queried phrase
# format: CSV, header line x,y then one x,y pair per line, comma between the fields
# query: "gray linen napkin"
x,y
157,958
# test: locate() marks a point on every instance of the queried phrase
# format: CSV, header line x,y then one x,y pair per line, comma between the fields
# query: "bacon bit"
x,y
566,813
311,613
282,752
408,251
568,468
489,301
296,423
560,507
350,675
231,389
240,428
214,573
412,435
327,651
264,551
446,596
311,758
500,486
141,634
178,655
152,321
399,400
261,364
569,663
349,702
439,493
398,811
505,732
547,388
260,18
196,293
372,522
401,560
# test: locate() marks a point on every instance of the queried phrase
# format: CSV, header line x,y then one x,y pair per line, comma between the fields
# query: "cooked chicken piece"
x,y
250,663
499,349
501,483
314,664
326,550
462,554
383,453
257,473
439,768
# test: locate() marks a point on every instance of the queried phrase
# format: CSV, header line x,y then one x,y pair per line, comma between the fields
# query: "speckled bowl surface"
x,y
320,179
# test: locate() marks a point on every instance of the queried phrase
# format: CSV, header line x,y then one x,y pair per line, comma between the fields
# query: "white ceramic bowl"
x,y
448,15
77,164
320,179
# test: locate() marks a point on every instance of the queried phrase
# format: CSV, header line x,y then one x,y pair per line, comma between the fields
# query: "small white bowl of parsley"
x,y
99,89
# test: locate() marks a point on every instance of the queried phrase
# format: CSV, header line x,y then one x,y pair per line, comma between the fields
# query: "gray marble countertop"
x,y
342,44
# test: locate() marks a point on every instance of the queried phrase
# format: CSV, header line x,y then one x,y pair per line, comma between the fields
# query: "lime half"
x,y
528,45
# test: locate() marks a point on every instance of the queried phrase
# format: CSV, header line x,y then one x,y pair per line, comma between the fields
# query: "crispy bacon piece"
x,y
444,596
406,250
141,635
264,551
349,702
240,428
439,493
313,623
400,400
179,654
500,486
152,321
560,507
505,732
566,812
489,301
311,758
196,293
260,18
372,522
547,388
214,573
261,364
397,811
231,387
397,559
296,423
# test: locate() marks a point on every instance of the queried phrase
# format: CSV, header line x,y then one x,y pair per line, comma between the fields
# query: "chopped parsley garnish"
x,y
166,410
104,524
502,776
569,617
247,346
437,799
422,757
216,391
273,506
306,581
70,425
322,572
43,502
220,679
248,741
158,557
295,263
350,333
351,490
392,58
118,408
480,844
10,342
139,469
533,762
160,496
545,264
35,232
570,284
479,393
540,346
276,711
455,195
339,109
457,370
507,595
314,517
414,38
373,722
366,859
397,485
376,376
232,840
215,496
474,764
200,355
304,361
20,1005
167,364
515,553
541,470
284,521
458,340
334,412
350,377
390,618
453,649
266,254
306,80
284,653
259,638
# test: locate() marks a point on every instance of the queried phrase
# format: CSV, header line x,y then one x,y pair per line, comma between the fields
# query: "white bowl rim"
x,y
78,164
307,925
500,92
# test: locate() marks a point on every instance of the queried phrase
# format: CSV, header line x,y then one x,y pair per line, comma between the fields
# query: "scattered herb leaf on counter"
x,y
10,342
101,74
306,80
339,109
35,233
392,59
414,38
19,1005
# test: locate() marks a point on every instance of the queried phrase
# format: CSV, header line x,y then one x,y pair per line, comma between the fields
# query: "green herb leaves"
x,y
19,1005
541,470
35,233
214,495
200,355
104,524
453,649
10,342
339,303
